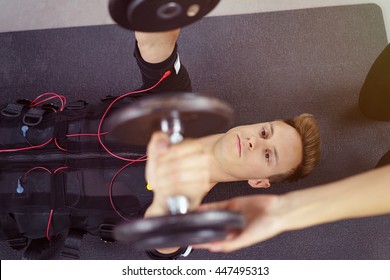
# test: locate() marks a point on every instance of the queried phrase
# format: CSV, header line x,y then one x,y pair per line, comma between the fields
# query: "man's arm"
x,y
362,195
181,169
156,47
156,54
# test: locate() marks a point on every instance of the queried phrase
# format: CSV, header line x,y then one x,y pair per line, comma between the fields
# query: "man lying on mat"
x,y
262,153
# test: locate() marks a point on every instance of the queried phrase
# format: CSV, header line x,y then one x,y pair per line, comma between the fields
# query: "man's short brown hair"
x,y
307,127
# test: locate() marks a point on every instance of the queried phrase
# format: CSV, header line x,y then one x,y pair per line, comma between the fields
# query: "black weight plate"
x,y
180,239
199,116
179,230
118,12
158,15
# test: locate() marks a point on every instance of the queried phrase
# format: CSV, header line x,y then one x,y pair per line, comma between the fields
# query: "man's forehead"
x,y
271,124
260,124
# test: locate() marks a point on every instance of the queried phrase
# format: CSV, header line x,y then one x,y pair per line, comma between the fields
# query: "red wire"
x,y
51,211
48,224
35,168
53,95
58,146
26,148
86,134
59,169
75,135
42,101
166,74
143,158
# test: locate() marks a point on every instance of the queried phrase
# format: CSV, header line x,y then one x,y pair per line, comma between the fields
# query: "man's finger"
x,y
180,168
158,144
182,150
222,205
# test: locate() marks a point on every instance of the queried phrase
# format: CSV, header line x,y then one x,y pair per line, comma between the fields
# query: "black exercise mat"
x,y
268,66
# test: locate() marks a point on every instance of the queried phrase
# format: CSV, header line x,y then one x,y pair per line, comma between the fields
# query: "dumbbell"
x,y
179,115
158,15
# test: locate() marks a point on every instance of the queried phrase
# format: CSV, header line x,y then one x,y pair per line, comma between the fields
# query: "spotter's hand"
x,y
263,221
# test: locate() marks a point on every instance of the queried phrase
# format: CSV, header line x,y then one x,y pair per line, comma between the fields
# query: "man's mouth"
x,y
239,145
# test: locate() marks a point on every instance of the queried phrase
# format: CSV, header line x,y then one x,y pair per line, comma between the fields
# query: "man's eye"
x,y
263,133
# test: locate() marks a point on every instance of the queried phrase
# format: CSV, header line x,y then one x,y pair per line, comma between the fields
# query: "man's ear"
x,y
260,183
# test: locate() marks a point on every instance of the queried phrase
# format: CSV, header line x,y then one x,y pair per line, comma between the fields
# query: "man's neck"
x,y
218,173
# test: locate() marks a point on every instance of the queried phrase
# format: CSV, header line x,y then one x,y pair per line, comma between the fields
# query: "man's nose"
x,y
253,142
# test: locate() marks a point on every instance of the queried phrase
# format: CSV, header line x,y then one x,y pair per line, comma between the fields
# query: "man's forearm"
x,y
363,195
156,47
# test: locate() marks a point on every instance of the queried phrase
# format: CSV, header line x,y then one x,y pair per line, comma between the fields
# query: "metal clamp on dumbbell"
x,y
179,115
158,15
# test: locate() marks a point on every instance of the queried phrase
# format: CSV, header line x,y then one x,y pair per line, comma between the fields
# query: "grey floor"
x,y
18,15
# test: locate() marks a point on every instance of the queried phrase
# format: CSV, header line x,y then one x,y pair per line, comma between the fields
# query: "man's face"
x,y
259,151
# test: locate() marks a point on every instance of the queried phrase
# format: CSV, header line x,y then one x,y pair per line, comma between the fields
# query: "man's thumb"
x,y
158,144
